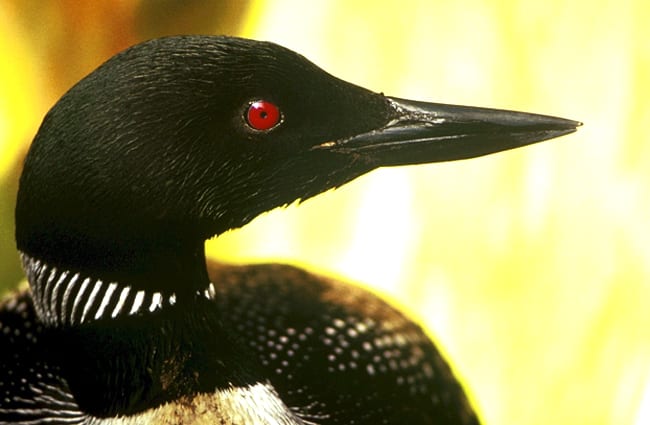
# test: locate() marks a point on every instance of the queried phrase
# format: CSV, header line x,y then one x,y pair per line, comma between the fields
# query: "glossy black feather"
x,y
150,155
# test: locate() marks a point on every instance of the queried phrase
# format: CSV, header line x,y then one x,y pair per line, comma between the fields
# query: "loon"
x,y
172,142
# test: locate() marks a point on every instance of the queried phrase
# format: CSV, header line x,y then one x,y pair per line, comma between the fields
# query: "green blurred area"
x,y
530,268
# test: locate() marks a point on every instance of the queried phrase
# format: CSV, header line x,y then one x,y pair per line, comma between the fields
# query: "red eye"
x,y
263,115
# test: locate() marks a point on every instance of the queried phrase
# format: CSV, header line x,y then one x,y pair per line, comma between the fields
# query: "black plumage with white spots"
x,y
331,351
177,140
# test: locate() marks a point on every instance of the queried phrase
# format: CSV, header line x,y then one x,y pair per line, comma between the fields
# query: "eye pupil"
x,y
263,115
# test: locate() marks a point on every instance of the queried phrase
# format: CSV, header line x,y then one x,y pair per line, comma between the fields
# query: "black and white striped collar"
x,y
68,298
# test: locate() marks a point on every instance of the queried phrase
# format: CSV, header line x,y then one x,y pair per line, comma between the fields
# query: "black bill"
x,y
423,132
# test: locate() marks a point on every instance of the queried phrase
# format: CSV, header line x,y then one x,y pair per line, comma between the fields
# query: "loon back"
x,y
174,141
328,351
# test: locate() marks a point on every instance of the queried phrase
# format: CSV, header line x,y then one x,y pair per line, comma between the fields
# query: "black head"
x,y
167,144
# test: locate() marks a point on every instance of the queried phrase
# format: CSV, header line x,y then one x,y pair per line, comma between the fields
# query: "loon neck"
x,y
126,347
133,363
66,295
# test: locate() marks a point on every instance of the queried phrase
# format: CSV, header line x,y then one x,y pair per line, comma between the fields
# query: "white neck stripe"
x,y
124,293
78,298
107,297
137,303
66,295
68,298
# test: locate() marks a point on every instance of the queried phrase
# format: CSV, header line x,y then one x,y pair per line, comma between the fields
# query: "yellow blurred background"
x,y
530,268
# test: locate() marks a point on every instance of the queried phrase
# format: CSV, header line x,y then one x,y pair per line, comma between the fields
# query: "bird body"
x,y
174,141
316,341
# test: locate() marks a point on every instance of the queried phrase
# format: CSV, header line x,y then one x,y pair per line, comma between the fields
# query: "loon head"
x,y
179,139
